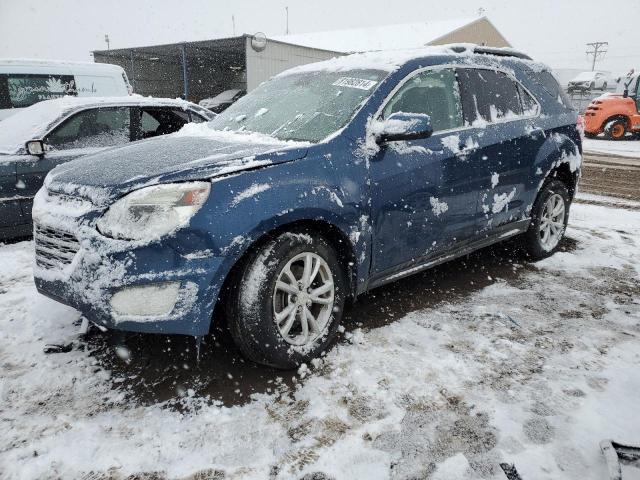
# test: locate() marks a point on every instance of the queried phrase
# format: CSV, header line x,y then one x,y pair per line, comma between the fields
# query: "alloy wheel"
x,y
303,299
552,222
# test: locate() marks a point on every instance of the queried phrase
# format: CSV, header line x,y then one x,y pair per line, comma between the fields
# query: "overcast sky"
x,y
553,31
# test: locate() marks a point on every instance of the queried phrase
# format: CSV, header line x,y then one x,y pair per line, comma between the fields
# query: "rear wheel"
x,y
549,217
289,301
616,130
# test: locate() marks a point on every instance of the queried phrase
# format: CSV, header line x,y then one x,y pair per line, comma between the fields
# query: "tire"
x,y
616,130
534,242
604,86
259,298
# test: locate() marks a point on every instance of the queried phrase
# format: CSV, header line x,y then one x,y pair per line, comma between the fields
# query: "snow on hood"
x,y
195,153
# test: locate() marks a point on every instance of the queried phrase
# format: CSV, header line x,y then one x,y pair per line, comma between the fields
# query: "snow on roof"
x,y
35,62
386,60
34,122
385,37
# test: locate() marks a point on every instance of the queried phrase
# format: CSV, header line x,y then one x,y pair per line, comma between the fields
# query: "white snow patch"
x,y
437,206
501,202
252,191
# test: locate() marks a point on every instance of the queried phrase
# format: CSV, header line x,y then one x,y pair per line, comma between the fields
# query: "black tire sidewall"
x,y
252,322
532,237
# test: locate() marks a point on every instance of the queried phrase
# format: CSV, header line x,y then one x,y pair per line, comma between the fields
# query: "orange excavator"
x,y
616,114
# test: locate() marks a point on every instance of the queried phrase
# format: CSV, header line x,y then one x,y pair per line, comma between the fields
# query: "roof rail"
x,y
500,52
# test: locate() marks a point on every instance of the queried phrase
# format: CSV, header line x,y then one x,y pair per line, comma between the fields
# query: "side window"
x,y
432,92
99,127
23,90
548,82
488,96
161,121
530,107
195,118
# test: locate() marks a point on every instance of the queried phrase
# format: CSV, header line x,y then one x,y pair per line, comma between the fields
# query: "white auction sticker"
x,y
351,82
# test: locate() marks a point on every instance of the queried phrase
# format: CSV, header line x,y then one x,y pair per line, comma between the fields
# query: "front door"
x,y
422,203
10,212
86,132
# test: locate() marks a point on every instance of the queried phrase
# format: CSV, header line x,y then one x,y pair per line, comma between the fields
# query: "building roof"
x,y
385,37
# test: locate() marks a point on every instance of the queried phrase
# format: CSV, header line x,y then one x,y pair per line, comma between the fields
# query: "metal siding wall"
x,y
278,57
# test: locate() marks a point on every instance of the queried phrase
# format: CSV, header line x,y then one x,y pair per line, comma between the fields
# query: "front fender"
x,y
242,209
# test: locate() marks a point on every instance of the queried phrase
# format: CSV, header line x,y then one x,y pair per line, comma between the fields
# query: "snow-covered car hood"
x,y
107,175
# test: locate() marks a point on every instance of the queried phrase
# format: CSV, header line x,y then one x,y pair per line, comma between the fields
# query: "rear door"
x,y
502,114
155,121
83,133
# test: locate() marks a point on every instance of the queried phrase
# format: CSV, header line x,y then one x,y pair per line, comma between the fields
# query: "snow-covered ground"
x,y
534,368
625,148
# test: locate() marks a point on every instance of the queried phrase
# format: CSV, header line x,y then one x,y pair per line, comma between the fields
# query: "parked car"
x,y
587,81
615,115
325,182
52,132
24,82
222,101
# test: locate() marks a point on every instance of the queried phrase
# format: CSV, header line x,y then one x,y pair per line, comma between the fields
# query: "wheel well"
x,y
563,173
336,238
612,118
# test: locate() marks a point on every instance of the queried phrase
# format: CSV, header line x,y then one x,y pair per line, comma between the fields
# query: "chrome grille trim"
x,y
54,248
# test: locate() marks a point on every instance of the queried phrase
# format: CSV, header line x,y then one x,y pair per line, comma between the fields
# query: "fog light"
x,y
146,300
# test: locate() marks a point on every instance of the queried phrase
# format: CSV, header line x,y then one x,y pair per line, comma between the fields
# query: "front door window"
x,y
95,128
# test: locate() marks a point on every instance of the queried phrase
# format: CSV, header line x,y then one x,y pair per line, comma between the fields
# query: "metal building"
x,y
197,70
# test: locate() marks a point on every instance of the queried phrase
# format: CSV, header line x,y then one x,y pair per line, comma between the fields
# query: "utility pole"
x,y
106,39
233,22
599,49
287,10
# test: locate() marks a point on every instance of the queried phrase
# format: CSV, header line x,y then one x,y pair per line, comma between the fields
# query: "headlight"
x,y
153,212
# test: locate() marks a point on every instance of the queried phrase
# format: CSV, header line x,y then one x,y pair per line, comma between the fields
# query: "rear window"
x,y
23,90
488,96
551,86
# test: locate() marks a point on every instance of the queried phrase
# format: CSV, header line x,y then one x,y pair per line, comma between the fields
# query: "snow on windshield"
x,y
306,106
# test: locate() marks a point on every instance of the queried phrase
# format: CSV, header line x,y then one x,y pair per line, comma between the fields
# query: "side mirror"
x,y
403,126
35,147
625,93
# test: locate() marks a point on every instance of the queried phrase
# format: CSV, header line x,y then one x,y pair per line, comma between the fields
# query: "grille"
x,y
54,248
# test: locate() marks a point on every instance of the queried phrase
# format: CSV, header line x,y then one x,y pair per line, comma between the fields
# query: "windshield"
x,y
305,106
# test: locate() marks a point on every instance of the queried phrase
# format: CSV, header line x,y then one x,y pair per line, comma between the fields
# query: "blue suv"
x,y
325,182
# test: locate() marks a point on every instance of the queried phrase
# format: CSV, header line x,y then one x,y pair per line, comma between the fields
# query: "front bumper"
x,y
92,280
167,286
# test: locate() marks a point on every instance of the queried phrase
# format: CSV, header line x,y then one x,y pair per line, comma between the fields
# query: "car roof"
x,y
35,121
392,60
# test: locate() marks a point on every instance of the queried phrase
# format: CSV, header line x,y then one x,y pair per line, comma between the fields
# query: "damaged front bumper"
x,y
157,287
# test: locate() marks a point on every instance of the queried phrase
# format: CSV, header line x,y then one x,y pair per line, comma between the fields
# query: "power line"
x,y
599,50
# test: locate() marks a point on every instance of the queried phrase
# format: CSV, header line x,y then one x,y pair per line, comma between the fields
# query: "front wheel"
x,y
549,217
289,300
616,130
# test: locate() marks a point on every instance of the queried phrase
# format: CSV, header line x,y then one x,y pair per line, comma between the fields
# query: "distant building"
x,y
407,35
197,70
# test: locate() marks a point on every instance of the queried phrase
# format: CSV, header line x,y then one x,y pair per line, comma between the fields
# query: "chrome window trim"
x,y
453,66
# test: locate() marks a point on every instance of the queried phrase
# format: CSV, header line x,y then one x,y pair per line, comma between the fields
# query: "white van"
x,y
25,82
